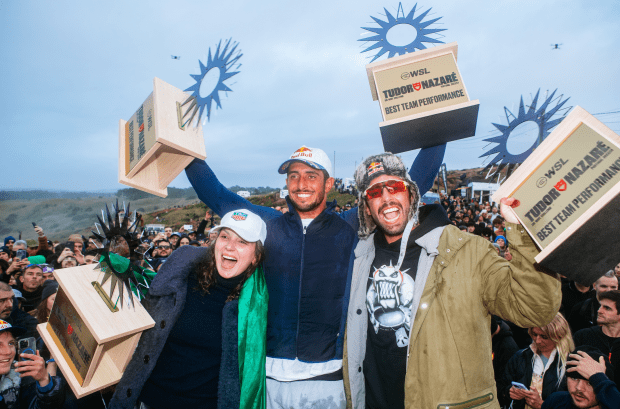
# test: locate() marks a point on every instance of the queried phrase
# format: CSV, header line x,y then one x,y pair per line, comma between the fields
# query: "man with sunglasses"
x,y
308,269
164,249
422,296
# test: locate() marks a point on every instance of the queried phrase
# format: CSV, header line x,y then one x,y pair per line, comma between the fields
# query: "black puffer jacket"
x,y
519,369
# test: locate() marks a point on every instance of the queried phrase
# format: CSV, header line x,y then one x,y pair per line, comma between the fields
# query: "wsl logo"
x,y
410,74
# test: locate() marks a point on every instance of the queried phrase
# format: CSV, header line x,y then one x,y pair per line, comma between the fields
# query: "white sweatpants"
x,y
305,395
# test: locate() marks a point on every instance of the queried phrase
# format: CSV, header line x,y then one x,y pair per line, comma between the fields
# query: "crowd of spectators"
x,y
28,290
538,359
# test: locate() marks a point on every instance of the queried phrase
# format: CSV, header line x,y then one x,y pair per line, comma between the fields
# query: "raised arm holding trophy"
x,y
422,291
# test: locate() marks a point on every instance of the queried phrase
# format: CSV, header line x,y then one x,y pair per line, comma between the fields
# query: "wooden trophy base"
x,y
107,372
423,99
430,128
569,197
91,344
169,146
590,253
163,165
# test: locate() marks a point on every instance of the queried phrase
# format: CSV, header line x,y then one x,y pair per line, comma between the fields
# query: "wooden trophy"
x,y
423,99
91,338
154,145
569,197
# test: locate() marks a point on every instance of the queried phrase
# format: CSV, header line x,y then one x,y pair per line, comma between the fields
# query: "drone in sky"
x,y
175,57
555,46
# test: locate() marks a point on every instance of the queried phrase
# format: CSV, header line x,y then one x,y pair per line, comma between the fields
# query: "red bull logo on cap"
x,y
4,325
239,216
374,167
303,151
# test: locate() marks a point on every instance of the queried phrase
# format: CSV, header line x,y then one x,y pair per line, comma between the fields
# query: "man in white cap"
x,y
308,270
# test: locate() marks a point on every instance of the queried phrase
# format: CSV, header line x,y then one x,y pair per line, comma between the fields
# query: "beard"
x,y
307,206
392,229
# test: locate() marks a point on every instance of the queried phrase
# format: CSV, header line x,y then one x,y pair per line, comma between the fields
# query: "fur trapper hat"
x,y
373,167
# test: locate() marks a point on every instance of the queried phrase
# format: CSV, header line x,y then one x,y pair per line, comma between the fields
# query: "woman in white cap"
x,y
207,349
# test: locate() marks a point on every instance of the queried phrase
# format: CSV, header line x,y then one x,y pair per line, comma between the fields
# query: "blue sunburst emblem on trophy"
x,y
422,32
540,116
223,60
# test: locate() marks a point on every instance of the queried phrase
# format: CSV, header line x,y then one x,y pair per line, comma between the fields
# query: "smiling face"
x,y
307,189
7,351
582,393
233,255
390,211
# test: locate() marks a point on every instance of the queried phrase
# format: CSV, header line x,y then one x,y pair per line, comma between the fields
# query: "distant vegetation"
x,y
45,194
63,213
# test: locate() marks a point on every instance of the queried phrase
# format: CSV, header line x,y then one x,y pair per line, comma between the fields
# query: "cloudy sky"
x,y
71,69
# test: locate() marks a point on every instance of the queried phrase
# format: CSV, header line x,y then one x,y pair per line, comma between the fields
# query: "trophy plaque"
x,y
155,145
91,339
569,197
423,99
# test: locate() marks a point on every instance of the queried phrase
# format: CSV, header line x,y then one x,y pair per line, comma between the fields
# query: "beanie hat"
x,y
503,238
6,239
36,260
49,287
373,167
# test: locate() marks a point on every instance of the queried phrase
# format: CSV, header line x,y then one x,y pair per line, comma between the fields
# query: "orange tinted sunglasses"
x,y
392,186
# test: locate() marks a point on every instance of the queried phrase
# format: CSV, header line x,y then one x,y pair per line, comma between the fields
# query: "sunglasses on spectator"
x,y
392,186
163,247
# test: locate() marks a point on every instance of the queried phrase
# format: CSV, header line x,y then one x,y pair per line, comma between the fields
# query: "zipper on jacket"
x,y
301,276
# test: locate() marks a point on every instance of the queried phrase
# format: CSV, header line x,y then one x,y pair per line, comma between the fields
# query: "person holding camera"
x,y
207,348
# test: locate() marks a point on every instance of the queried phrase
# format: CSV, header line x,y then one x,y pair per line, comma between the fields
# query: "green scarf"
x,y
252,335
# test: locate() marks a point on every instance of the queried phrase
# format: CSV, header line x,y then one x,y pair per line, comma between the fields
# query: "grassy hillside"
x,y
60,217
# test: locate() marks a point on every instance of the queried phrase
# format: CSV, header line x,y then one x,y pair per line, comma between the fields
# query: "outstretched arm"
x,y
216,196
426,165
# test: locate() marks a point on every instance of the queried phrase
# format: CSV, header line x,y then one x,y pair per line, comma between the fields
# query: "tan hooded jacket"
x,y
449,358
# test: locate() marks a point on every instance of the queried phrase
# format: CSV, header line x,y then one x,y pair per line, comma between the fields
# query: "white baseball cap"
x,y
246,224
312,157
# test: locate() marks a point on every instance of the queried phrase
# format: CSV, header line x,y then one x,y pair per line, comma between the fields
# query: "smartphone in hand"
x,y
26,346
21,254
519,385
